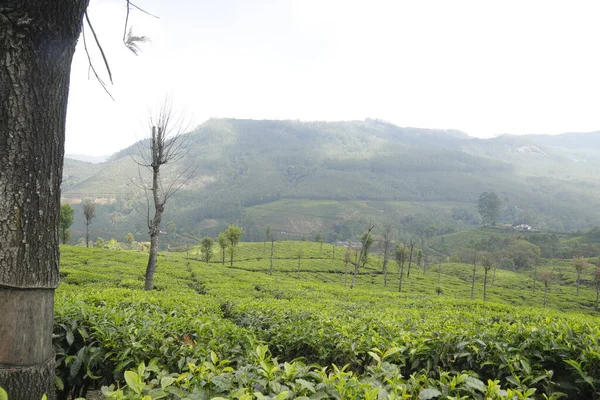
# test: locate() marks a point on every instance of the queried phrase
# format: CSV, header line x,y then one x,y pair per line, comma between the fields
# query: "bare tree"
x,y
366,240
89,212
388,238
487,261
166,145
271,237
580,264
401,253
546,277
410,257
347,260
474,274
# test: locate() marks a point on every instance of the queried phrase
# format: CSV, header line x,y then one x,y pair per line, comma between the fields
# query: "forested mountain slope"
x,y
304,177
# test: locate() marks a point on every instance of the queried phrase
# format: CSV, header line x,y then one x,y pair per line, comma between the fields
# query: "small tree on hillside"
x,y
475,254
130,239
487,261
299,254
166,146
207,248
347,260
580,264
387,239
410,256
223,243
401,254
420,259
319,239
546,277
89,212
67,216
234,234
489,208
367,240
272,237
267,238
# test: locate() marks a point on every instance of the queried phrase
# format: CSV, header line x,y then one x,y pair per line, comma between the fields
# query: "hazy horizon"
x,y
483,69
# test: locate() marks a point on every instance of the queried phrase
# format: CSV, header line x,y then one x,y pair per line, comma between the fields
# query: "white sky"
x,y
483,67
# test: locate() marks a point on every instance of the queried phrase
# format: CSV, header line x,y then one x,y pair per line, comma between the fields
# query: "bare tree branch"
x,y
91,65
87,18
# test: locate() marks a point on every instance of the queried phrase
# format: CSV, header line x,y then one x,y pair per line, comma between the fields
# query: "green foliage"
x,y
234,234
66,218
250,334
489,208
207,248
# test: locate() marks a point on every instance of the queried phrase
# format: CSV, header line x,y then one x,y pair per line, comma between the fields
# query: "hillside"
x,y
305,177
236,332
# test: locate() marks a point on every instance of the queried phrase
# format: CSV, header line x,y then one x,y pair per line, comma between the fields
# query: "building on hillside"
x,y
523,228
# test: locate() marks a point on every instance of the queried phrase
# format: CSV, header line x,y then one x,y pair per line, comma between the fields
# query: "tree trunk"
x,y
545,294
223,254
38,41
152,262
578,278
597,296
87,233
271,268
346,275
154,228
485,275
412,246
474,271
401,275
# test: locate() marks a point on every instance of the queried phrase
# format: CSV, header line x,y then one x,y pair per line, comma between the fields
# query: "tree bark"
x,y
485,283
154,226
38,41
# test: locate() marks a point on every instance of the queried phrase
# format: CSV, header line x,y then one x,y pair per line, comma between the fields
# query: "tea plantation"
x,y
211,331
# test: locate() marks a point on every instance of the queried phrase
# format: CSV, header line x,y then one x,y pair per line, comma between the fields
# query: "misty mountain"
x,y
304,177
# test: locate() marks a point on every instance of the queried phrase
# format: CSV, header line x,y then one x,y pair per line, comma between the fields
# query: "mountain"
x,y
306,177
86,158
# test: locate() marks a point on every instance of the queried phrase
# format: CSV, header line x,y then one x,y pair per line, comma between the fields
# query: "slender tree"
x,y
223,243
207,248
474,274
37,42
234,234
420,259
367,240
387,239
546,277
299,254
167,145
272,239
267,238
319,239
580,264
67,216
410,256
89,212
487,262
401,254
347,260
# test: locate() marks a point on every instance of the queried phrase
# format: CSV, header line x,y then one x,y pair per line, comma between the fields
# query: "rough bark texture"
x,y
37,42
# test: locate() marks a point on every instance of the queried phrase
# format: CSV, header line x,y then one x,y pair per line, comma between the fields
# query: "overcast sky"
x,y
483,67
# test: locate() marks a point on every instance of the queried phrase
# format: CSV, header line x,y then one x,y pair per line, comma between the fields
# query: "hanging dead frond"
x,y
132,42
